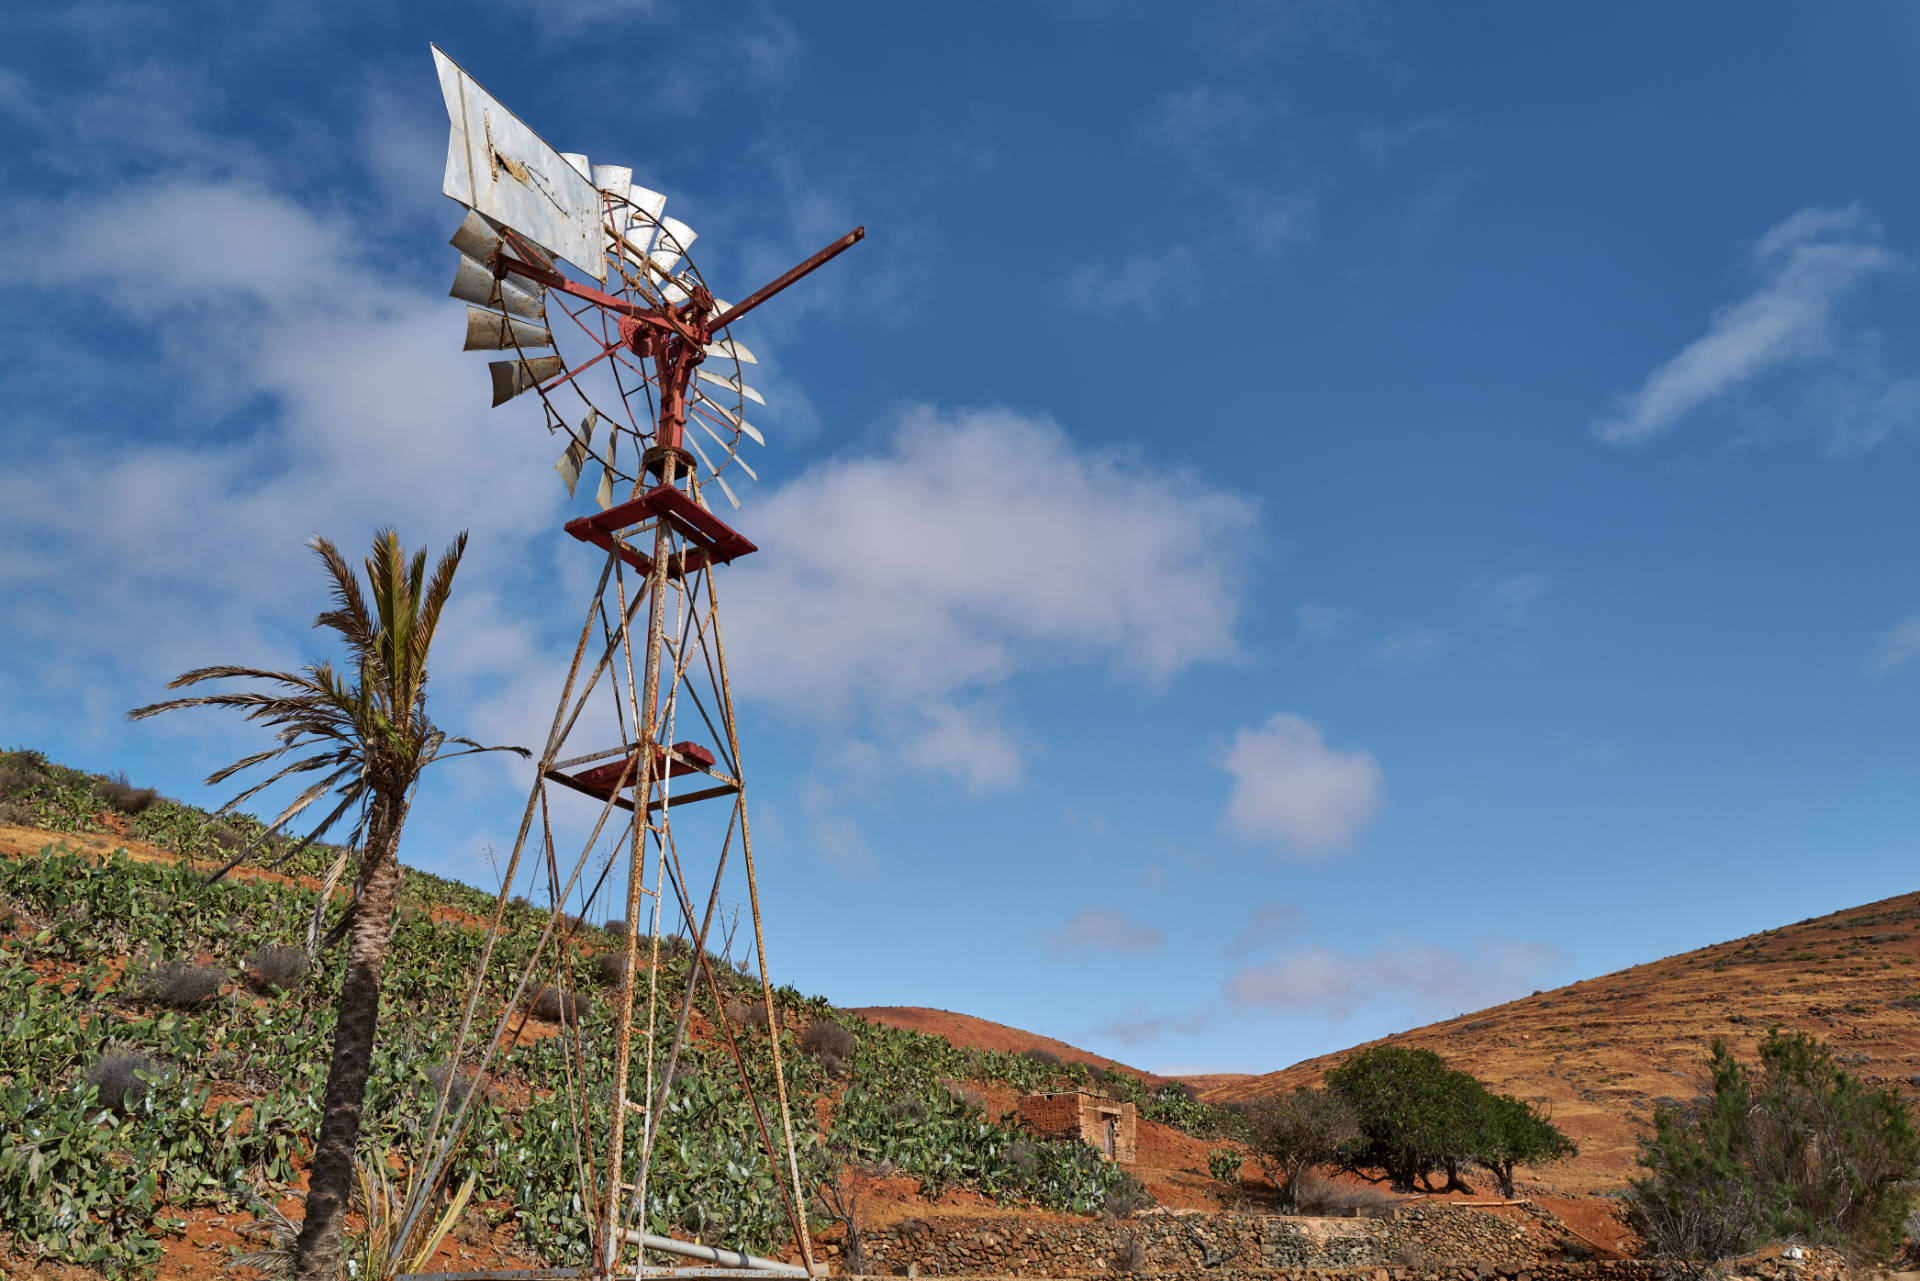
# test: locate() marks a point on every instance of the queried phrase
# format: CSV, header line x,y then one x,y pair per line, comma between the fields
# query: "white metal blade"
x,y
576,456
700,453
731,347
579,163
613,179
491,331
604,494
727,445
675,239
732,384
503,169
730,416
727,490
511,377
474,282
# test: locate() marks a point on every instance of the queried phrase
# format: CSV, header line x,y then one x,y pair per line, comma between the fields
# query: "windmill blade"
x,y
499,167
675,239
479,237
724,443
614,181
726,489
730,416
579,163
700,453
511,377
731,347
732,384
643,221
675,290
604,494
490,331
474,282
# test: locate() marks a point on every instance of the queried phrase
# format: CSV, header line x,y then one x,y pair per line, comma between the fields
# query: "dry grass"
x,y
555,1006
182,985
123,1078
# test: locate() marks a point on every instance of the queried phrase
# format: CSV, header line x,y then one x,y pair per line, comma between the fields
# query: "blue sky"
x,y
1300,519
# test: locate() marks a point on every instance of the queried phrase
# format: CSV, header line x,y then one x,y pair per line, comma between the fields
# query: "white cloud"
x,y
1268,923
1291,789
768,46
909,582
1415,647
1139,1025
1897,646
1101,929
1145,282
1319,620
1513,597
567,19
1203,116
1270,225
1808,263
1380,142
1429,979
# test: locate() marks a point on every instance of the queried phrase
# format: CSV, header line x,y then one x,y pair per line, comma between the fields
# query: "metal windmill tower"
x,y
635,366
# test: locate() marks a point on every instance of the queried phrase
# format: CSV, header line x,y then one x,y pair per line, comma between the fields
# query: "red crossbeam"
x,y
601,778
716,541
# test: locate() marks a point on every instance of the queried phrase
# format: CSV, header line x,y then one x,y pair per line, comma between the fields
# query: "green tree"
x,y
369,737
1799,1148
1415,1117
1294,1132
1512,1133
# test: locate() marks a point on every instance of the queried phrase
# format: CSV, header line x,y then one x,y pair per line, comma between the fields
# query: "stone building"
x,y
1075,1114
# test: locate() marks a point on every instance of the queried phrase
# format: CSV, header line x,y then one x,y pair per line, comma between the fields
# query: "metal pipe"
x,y
728,1258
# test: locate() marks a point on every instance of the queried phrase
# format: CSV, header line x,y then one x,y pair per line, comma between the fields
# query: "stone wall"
x,y
1075,1114
1436,1243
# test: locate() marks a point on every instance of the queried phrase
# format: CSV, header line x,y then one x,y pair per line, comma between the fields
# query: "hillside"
x,y
968,1032
101,899
1599,1053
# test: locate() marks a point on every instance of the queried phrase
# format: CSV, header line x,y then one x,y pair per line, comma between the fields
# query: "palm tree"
x,y
370,739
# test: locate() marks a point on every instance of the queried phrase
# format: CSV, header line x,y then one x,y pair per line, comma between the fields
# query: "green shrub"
x,y
1223,1165
1794,1148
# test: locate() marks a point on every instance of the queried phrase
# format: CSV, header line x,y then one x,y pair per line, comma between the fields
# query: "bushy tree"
x,y
1512,1133
1292,1133
1418,1116
1797,1148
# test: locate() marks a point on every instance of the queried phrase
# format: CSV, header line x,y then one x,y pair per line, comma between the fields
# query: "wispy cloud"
x,y
1268,924
1808,264
1270,225
1319,620
1139,1024
1205,116
1291,790
1424,977
1513,597
1897,646
1380,142
1415,647
1143,283
1101,929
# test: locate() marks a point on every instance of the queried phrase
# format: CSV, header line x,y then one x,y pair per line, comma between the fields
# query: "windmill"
x,y
640,379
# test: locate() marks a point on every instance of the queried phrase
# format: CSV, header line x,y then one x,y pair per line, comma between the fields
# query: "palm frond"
x,y
430,606
349,616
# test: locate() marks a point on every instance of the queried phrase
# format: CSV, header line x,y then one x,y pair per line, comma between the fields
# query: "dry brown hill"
x,y
984,1034
1599,1053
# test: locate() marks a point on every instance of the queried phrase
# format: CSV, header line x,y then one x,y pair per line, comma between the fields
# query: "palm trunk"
x,y
330,1183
